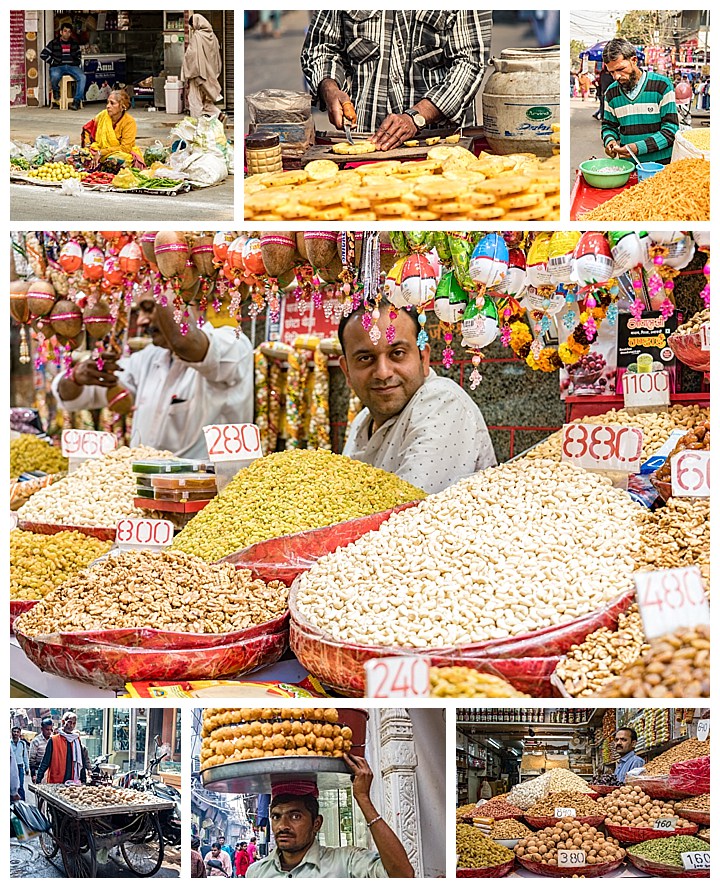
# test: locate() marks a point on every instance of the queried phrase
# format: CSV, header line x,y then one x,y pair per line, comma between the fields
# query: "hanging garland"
x,y
319,426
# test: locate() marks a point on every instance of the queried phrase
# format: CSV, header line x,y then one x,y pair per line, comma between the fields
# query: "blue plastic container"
x,y
645,170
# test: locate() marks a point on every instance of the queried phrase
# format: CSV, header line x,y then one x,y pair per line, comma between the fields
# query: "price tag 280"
x,y
564,812
670,599
690,473
235,441
606,448
665,824
86,443
143,533
397,677
695,860
570,858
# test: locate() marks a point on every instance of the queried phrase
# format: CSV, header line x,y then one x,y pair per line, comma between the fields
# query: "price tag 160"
x,y
703,729
665,824
605,448
397,677
695,860
86,443
690,473
237,441
669,599
143,533
564,812
570,858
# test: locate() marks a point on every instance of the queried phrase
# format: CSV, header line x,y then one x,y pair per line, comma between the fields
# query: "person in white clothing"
x,y
423,427
179,383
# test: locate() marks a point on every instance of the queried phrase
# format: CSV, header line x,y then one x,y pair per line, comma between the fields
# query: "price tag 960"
x,y
144,533
86,443
690,473
695,860
570,858
397,677
669,599
606,448
236,441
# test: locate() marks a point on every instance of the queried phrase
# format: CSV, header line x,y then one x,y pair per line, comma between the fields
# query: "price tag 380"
x,y
233,442
143,533
605,448
397,677
570,858
695,860
671,599
86,443
690,473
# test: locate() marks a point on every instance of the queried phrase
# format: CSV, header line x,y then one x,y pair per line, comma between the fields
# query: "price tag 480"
x,y
564,812
143,533
604,448
397,677
671,599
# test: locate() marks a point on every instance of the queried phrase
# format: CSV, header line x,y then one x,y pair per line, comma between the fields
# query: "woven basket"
x,y
542,822
487,872
637,834
100,533
665,869
701,817
590,871
603,790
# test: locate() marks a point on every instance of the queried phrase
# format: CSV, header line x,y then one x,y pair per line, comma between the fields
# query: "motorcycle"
x,y
149,781
101,773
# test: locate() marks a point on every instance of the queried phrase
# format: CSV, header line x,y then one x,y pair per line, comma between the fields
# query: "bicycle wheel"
x,y
77,848
144,850
48,843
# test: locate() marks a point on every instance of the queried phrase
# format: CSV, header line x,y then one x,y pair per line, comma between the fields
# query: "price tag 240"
x,y
690,473
143,533
670,599
235,441
86,443
397,677
570,858
695,860
606,448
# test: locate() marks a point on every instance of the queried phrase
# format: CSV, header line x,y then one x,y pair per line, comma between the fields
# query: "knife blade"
x,y
349,120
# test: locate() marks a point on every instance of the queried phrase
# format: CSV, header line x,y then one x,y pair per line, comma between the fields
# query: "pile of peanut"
x,y
584,806
509,829
682,752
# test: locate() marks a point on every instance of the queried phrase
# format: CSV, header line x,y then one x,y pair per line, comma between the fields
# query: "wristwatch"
x,y
416,118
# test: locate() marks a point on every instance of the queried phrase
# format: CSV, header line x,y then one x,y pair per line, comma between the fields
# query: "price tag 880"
x,y
143,533
86,443
605,448
690,473
695,860
570,858
671,599
235,441
397,677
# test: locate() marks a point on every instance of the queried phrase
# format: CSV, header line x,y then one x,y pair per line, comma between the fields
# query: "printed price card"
x,y
695,860
564,812
705,337
397,677
237,441
13,520
690,473
86,443
665,824
570,858
143,533
703,729
604,448
646,389
670,599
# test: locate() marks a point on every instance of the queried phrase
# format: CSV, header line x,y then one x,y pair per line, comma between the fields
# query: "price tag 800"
x,y
570,858
606,448
237,441
670,599
665,824
695,860
86,443
397,677
690,473
564,812
144,533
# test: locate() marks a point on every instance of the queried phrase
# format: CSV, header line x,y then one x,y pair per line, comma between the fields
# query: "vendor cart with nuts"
x,y
87,822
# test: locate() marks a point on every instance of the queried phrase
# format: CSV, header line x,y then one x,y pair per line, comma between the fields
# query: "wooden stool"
x,y
66,89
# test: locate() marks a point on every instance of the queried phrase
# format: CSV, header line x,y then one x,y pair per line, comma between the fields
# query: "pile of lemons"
x,y
56,172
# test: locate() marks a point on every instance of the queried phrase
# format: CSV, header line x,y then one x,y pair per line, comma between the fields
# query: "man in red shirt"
x,y
242,860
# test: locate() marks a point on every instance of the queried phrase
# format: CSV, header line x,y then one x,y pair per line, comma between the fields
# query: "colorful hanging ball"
x,y
515,280
221,245
628,249
93,261
418,280
252,258
593,259
538,256
130,259
71,257
393,289
561,256
112,272
450,299
480,325
489,260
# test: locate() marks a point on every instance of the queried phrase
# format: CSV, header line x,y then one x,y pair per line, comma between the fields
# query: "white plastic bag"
x,y
683,148
204,170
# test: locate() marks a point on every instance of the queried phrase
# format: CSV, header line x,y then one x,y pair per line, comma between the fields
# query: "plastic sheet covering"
x,y
20,606
658,787
667,870
589,871
285,558
526,661
100,533
111,658
643,834
486,872
692,776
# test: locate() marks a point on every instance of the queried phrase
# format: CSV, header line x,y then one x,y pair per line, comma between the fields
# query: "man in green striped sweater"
x,y
640,111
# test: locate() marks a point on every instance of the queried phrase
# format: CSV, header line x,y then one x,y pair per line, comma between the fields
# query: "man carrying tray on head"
x,y
296,822
402,70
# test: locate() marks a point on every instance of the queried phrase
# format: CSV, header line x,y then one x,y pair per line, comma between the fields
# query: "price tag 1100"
x,y
570,858
236,442
665,824
646,389
564,812
670,599
143,533
604,448
705,337
86,443
703,729
690,473
695,860
397,677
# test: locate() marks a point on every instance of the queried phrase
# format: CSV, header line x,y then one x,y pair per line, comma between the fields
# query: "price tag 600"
x,y
606,448
143,533
237,441
564,812
690,473
665,824
695,860
669,599
86,443
397,677
570,858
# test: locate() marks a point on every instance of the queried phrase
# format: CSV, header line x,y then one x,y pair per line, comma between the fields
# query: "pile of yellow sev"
x,y
678,193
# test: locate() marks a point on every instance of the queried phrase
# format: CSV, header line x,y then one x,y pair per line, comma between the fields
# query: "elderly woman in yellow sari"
x,y
112,133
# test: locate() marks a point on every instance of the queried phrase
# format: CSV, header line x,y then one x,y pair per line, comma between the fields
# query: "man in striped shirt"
x,y
640,111
403,70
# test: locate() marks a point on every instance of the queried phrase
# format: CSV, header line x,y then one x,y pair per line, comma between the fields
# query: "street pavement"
x,y
28,862
36,203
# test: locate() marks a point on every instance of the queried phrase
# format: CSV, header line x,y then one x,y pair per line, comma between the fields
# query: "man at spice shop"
x,y
295,821
423,427
179,383
402,70
20,751
64,57
639,108
625,740
38,745
65,757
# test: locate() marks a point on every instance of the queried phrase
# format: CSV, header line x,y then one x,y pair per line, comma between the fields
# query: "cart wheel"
x,y
48,844
145,849
77,848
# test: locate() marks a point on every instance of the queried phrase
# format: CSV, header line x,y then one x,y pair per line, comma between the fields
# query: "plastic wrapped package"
x,y
691,776
112,658
283,113
658,787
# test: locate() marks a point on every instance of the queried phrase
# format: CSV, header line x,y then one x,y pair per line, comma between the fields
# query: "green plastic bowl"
x,y
621,170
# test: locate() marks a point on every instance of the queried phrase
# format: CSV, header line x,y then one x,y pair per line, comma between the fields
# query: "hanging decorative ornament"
x,y
538,256
628,250
112,272
19,307
221,244
515,280
489,262
93,262
66,319
71,257
370,269
171,253
40,298
545,299
147,245
666,237
374,331
418,280
393,288
98,319
202,255
480,325
130,259
279,252
450,299
680,253
252,258
110,236
561,256
593,259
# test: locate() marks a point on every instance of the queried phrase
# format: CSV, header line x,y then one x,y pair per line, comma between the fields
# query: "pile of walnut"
x,y
628,806
569,834
97,796
231,735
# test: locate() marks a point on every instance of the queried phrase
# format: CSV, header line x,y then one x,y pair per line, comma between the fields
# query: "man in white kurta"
x,y
423,427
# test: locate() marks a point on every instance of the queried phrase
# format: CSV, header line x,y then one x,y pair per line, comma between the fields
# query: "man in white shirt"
x,y
179,383
423,427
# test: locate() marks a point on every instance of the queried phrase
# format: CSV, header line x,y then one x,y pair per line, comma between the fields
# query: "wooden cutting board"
x,y
324,151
